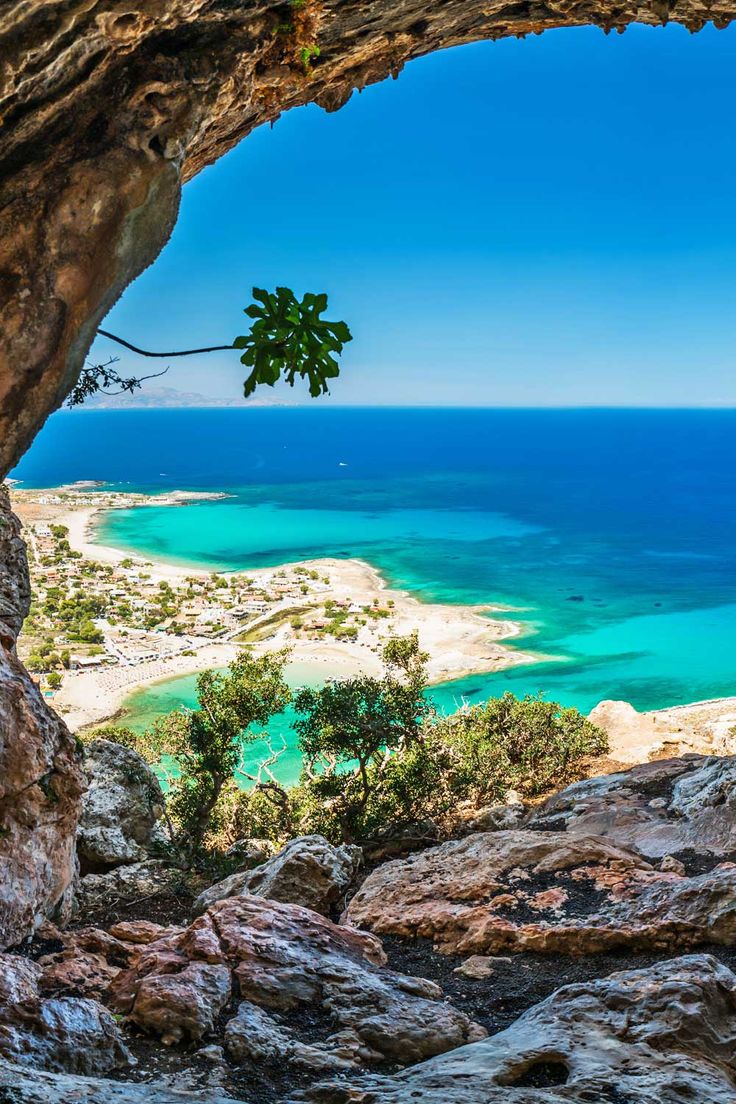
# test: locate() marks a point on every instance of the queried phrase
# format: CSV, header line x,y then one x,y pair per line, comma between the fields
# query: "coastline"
x,y
460,640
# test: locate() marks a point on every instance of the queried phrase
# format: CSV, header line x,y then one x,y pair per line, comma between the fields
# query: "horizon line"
x,y
280,407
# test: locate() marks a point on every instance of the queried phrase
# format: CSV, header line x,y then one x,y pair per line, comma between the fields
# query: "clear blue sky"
x,y
541,222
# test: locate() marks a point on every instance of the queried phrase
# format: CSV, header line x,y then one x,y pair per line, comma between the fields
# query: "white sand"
x,y
460,640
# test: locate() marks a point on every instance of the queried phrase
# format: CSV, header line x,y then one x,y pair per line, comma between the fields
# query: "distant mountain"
x,y
150,397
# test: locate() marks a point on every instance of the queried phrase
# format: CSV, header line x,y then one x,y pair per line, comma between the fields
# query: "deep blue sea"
x,y
610,533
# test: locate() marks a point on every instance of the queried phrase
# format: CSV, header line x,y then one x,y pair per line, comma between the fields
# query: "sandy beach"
x,y
459,640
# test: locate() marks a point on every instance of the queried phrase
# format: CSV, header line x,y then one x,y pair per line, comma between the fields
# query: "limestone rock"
x,y
182,1005
253,1033
662,1035
703,727
308,871
283,959
126,883
90,958
40,779
479,966
20,1085
120,809
76,1035
77,973
660,808
547,892
494,818
252,851
140,931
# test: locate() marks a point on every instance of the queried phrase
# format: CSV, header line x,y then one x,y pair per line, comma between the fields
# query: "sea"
x,y
609,534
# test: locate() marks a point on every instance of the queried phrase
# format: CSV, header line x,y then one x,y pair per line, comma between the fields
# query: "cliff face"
x,y
106,108
40,779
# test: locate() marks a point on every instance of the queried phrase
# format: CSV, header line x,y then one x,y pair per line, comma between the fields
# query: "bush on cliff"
x,y
507,743
376,756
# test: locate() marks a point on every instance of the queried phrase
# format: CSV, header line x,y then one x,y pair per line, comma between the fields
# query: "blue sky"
x,y
541,222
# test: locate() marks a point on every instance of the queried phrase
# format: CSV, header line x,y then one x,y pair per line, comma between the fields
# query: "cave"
x,y
108,109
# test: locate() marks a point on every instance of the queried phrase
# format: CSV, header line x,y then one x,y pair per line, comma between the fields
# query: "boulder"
x,y
294,966
76,973
20,1085
662,1035
120,809
124,884
308,871
660,808
69,1034
255,1034
495,818
546,892
251,851
90,958
706,727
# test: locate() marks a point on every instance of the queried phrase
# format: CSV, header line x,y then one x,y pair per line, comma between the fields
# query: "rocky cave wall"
x,y
106,108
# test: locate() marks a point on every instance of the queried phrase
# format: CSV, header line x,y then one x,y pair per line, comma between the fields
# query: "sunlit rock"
x,y
308,871
664,1033
292,962
547,892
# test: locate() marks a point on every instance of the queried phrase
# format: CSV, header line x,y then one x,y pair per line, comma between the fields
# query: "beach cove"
x,y
264,608
609,534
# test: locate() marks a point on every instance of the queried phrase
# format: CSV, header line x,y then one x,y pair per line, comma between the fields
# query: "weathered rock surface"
x,y
703,727
20,1085
547,892
283,961
308,871
125,884
663,1035
40,779
252,850
71,1034
120,809
660,808
89,958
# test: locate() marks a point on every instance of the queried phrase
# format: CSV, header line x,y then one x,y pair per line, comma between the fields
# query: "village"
x,y
125,613
104,622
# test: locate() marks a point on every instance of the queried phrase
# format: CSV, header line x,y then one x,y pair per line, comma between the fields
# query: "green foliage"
x,y
207,742
86,632
348,733
306,55
120,734
267,811
54,680
376,756
529,745
289,338
101,377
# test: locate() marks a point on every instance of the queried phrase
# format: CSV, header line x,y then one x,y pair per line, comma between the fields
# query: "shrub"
x,y
349,730
207,742
529,745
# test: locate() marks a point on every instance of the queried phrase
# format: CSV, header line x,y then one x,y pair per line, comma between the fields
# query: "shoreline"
x,y
461,640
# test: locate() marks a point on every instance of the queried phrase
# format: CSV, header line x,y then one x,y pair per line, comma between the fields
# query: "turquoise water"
x,y
145,706
611,534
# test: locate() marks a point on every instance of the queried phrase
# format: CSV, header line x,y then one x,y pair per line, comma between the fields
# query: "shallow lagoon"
x,y
611,533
